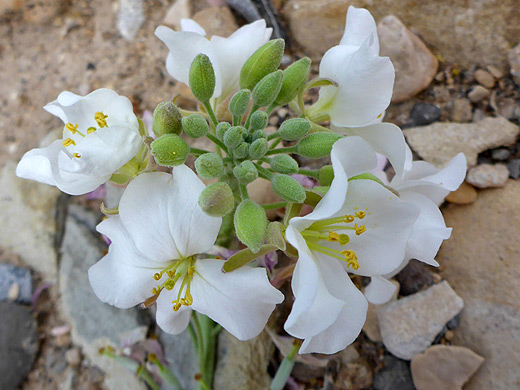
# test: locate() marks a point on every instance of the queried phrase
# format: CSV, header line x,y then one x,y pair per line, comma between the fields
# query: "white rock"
x,y
130,17
488,175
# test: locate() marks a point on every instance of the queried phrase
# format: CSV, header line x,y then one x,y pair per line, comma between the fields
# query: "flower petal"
x,y
173,322
379,290
359,26
189,25
241,301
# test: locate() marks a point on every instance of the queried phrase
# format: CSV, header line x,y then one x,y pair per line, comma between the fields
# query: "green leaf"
x,y
246,256
250,224
274,235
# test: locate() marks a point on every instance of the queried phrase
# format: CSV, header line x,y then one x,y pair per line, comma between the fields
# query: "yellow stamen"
x,y
158,275
360,214
333,236
76,155
101,119
72,128
359,229
91,130
348,218
351,257
68,142
176,305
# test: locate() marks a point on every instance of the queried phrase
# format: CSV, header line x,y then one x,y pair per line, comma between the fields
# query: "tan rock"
x,y
354,376
415,66
262,192
461,110
484,78
180,9
465,194
514,63
444,367
439,142
8,6
216,21
371,326
488,175
41,11
480,260
478,93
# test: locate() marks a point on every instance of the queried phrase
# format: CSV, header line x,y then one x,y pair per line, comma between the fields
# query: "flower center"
x,y
100,119
336,230
183,270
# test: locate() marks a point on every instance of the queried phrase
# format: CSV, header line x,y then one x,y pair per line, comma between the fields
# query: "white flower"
x,y
364,79
359,226
227,55
156,237
101,134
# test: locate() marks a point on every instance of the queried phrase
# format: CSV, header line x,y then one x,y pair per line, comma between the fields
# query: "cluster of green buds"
x,y
244,151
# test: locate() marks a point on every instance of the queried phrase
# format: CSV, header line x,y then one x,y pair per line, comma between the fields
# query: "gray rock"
x,y
439,142
423,114
130,17
181,357
18,343
488,175
395,375
409,325
514,168
28,225
243,364
94,324
461,111
514,62
9,275
478,93
500,154
414,277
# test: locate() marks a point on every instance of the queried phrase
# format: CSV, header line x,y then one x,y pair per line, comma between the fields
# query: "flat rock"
x,y
28,221
371,325
94,324
18,343
395,375
439,142
484,78
478,93
444,367
415,66
488,175
181,357
465,194
514,168
216,21
410,324
130,17
10,276
481,261
461,111
243,364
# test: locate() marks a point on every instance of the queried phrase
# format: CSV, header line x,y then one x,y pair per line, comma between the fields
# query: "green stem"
x,y
253,110
147,378
263,171
197,152
211,113
287,149
272,206
218,142
243,192
309,172
275,143
284,371
236,120
273,136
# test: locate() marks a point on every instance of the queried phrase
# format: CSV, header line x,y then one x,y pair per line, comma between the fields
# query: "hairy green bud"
x,y
195,126
267,89
293,129
246,172
288,188
221,129
202,78
317,145
326,175
282,163
259,134
170,150
217,199
250,224
258,148
263,61
258,120
239,103
294,78
166,119
209,165
233,136
241,150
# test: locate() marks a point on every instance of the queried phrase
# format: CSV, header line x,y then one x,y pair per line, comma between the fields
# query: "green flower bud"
x,y
258,120
195,126
263,61
239,103
170,150
250,224
233,136
282,163
317,145
202,78
166,119
217,199
259,134
288,188
222,127
241,150
209,165
326,175
294,78
258,148
246,172
294,129
267,89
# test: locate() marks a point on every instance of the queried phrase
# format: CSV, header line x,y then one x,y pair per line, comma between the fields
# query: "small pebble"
x,y
63,340
73,357
273,120
488,175
414,278
14,292
514,168
449,335
478,93
465,194
423,114
395,375
500,154
461,111
484,78
497,73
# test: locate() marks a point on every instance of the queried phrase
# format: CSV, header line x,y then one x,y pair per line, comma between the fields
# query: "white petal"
x,y
379,290
241,301
189,25
173,322
386,139
359,26
349,322
123,277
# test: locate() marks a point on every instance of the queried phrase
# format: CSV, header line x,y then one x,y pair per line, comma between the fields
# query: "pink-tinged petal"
x,y
359,26
123,277
379,290
241,301
349,322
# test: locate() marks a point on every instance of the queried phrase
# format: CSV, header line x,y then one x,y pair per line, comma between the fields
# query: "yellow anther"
x,y
170,274
351,257
68,142
76,155
359,229
349,218
176,305
191,270
91,130
156,290
158,276
189,298
360,214
169,284
72,128
333,236
101,119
